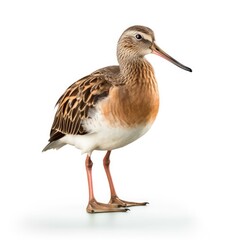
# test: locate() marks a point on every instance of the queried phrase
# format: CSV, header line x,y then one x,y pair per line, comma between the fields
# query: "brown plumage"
x,y
111,107
74,104
136,102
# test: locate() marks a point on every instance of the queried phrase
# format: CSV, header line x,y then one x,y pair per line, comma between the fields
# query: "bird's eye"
x,y
138,36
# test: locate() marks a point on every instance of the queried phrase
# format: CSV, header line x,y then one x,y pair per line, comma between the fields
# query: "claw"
x,y
122,203
97,207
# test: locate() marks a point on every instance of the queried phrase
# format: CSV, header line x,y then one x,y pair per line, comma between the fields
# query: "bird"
x,y
110,108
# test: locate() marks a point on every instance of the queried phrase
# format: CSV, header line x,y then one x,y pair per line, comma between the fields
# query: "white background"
x,y
187,166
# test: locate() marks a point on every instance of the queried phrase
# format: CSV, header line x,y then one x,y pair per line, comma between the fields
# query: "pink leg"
x,y
106,164
89,165
114,198
93,205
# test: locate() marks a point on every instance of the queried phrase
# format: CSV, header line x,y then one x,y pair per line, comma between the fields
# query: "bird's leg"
x,y
114,198
93,205
89,165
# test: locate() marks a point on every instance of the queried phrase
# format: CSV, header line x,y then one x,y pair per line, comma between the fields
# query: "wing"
x,y
74,104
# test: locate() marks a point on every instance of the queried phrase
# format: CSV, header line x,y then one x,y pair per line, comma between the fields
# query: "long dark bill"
x,y
158,51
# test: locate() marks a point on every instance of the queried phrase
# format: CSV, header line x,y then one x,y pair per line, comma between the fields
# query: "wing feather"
x,y
78,99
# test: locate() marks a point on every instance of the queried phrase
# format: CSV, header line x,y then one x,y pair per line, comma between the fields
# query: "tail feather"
x,y
54,145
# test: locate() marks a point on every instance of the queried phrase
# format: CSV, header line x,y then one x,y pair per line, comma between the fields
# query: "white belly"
x,y
107,139
102,136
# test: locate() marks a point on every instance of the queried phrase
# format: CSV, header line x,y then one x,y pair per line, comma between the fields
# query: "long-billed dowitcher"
x,y
111,108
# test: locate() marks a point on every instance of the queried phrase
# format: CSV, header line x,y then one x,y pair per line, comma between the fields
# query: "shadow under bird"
x,y
111,108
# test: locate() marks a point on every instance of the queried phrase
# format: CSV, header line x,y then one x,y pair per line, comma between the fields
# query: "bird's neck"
x,y
137,72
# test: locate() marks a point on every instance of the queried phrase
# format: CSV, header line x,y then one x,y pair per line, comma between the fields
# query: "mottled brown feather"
x,y
74,104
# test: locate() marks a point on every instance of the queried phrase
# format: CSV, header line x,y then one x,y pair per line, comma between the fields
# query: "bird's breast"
x,y
132,106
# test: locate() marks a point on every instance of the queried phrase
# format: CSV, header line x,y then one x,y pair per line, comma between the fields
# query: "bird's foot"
x,y
97,207
117,201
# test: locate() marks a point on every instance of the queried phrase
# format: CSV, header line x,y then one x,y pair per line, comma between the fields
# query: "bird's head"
x,y
138,41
